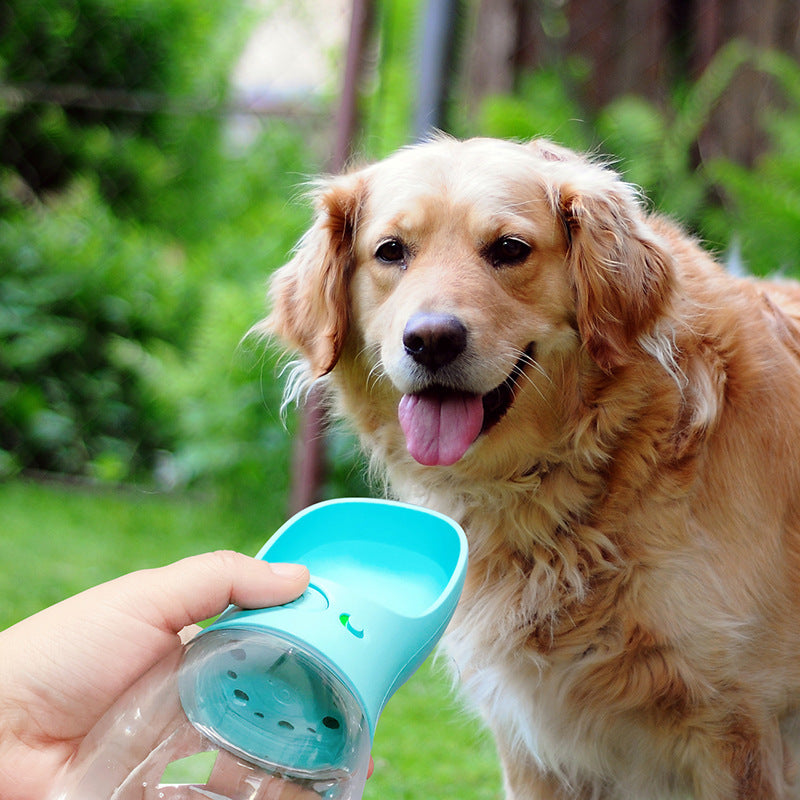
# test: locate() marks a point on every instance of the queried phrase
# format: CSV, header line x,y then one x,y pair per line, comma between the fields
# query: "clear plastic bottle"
x,y
240,715
281,703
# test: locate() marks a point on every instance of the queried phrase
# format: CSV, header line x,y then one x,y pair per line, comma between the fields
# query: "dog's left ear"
x,y
309,296
622,273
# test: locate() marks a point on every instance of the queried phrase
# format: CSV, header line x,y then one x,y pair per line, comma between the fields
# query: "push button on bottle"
x,y
312,599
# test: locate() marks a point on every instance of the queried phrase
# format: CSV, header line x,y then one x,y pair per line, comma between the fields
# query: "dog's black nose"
x,y
434,340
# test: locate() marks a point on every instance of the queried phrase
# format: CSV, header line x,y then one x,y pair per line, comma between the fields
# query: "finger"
x,y
200,587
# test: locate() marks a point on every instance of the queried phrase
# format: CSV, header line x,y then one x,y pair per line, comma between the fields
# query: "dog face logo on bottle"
x,y
283,702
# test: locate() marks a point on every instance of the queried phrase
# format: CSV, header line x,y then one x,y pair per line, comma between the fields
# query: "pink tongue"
x,y
440,428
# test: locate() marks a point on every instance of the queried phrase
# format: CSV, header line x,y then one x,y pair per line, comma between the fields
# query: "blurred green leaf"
x,y
543,106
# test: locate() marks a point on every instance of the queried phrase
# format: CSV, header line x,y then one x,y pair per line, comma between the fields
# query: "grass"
x,y
58,540
427,746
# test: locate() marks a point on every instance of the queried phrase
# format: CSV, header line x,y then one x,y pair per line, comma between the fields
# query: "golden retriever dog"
x,y
615,422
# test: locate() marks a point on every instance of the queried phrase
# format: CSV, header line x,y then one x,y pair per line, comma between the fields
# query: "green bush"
x,y
227,390
120,343
97,83
228,423
123,297
77,287
543,106
761,206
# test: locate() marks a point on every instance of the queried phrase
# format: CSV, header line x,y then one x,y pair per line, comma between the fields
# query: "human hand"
x,y
62,669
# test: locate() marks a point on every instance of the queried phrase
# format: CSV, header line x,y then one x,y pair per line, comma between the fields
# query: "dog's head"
x,y
460,275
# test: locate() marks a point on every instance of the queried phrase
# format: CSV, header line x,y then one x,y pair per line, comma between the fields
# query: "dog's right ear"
x,y
309,296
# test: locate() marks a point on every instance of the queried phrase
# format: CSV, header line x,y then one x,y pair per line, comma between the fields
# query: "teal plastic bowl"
x,y
298,689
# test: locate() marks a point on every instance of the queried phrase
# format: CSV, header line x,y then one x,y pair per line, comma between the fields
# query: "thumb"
x,y
202,586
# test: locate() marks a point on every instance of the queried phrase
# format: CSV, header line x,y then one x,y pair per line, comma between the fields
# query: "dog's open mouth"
x,y
440,424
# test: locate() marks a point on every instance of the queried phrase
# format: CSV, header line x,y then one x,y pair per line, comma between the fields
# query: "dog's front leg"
x,y
525,779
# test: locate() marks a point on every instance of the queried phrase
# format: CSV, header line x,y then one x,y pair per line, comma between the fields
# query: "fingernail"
x,y
289,571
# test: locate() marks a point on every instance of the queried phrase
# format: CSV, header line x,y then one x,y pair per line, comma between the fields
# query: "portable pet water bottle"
x,y
281,703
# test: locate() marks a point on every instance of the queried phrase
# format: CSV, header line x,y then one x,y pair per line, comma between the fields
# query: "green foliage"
x,y
95,80
228,423
139,362
543,106
76,287
165,383
123,298
242,213
761,211
224,389
88,42
657,148
388,123
227,393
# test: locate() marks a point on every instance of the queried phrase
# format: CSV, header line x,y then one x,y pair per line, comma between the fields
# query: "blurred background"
x,y
153,158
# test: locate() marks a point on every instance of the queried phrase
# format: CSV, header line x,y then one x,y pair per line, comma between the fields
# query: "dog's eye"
x,y
507,251
391,252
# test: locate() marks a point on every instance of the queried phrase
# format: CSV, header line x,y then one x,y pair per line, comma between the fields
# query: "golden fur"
x,y
629,627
